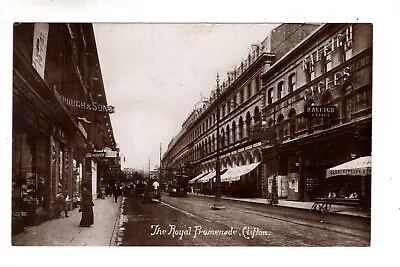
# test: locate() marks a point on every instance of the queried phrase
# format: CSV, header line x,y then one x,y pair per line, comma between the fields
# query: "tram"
x,y
178,186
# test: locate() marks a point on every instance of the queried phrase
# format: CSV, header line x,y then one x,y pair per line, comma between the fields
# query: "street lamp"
x,y
217,202
271,134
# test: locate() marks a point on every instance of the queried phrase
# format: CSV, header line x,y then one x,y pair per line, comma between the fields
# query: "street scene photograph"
x,y
191,134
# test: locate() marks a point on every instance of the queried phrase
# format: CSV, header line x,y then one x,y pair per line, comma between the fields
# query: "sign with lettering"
x,y
320,111
40,35
95,107
261,134
96,154
328,83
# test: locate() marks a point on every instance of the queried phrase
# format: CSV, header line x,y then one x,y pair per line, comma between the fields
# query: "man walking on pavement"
x,y
116,192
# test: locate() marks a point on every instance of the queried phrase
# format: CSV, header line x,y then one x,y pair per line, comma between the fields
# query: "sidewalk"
x,y
66,231
338,209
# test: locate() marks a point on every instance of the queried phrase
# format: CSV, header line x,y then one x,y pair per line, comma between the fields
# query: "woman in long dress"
x,y
86,208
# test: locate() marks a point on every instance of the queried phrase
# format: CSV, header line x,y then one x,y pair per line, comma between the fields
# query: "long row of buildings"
x,y
267,122
62,135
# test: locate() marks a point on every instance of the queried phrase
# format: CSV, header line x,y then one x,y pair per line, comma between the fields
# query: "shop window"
x,y
281,89
30,175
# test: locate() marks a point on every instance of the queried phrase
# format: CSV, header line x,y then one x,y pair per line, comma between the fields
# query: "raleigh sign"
x,y
320,111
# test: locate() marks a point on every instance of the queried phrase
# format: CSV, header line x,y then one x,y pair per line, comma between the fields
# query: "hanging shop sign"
x,y
40,35
95,107
102,154
320,111
96,154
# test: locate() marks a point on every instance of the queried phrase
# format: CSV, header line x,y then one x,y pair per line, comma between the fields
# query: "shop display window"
x,y
30,176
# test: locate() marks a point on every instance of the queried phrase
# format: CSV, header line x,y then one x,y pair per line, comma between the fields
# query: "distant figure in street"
x,y
116,192
156,185
86,208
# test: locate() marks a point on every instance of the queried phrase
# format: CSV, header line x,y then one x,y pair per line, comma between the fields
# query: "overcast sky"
x,y
154,74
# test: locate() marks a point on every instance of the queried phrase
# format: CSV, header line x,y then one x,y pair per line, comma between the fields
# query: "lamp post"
x,y
217,202
271,134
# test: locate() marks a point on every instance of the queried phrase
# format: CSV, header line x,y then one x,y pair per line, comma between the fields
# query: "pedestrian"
x,y
60,205
116,193
86,207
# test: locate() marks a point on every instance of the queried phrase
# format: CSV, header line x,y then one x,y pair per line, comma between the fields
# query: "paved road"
x,y
190,221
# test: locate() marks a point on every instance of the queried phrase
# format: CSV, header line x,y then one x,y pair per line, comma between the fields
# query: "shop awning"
x,y
356,167
206,178
233,174
192,181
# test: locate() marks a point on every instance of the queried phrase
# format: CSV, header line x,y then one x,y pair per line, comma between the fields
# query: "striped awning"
x,y
206,178
234,174
192,181
357,167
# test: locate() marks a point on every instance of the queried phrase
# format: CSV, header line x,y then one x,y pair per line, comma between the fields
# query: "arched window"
x,y
222,144
281,89
240,128
292,83
248,123
233,131
257,82
280,123
228,135
257,117
270,95
292,123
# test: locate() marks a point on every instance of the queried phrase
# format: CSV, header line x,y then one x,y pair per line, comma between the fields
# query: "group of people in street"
x,y
86,206
86,203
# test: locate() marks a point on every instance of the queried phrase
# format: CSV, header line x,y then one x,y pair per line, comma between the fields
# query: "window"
x,y
241,96
234,131
234,101
328,55
280,90
312,71
270,95
348,43
292,82
223,110
248,88
257,84
240,128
